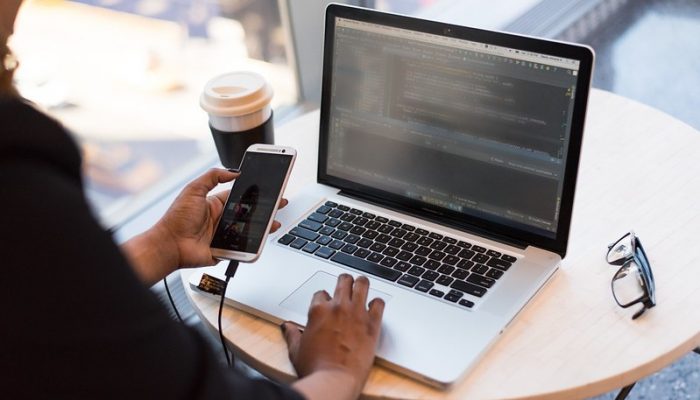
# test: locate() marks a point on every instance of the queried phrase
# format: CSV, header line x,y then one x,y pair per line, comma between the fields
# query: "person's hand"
x,y
191,219
341,333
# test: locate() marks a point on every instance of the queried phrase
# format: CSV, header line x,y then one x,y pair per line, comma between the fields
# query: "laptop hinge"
x,y
437,218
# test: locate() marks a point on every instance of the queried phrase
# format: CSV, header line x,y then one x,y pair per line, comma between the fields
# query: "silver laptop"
x,y
447,166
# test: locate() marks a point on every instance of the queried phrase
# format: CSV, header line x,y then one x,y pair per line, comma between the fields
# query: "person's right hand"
x,y
341,333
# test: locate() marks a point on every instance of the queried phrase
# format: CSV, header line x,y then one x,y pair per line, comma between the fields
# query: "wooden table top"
x,y
639,170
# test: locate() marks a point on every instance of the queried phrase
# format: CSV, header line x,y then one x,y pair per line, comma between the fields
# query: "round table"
x,y
639,171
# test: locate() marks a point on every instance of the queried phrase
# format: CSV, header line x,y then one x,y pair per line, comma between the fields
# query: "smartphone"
x,y
251,205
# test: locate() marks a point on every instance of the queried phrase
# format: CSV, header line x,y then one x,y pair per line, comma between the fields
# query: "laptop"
x,y
446,173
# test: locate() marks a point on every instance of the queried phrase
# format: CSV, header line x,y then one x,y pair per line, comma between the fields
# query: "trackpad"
x,y
300,299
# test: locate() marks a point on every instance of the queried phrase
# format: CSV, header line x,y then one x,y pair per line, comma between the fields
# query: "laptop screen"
x,y
474,128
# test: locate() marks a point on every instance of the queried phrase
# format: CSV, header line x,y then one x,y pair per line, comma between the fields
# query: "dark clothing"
x,y
81,324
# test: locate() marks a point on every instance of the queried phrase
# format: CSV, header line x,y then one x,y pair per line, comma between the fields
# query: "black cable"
x,y
230,272
172,302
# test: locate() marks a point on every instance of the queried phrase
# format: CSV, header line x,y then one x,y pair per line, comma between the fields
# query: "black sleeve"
x,y
81,324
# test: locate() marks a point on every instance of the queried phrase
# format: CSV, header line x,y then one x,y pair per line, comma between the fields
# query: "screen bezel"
x,y
502,232
242,256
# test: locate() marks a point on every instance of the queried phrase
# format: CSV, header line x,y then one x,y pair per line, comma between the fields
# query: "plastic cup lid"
x,y
236,94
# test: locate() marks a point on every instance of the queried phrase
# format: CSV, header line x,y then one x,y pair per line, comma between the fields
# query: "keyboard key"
x,y
408,227
401,266
500,264
304,233
493,253
464,245
383,238
479,249
318,217
357,230
311,247
450,259
298,243
452,297
395,224
466,303
335,213
449,240
480,258
323,209
396,242
481,280
349,248
342,207
480,269
435,236
409,246
333,222
423,251
466,254
378,247
388,262
417,260
352,239
437,255
368,215
339,235
438,245
381,220
347,217
375,257
362,253
411,237
508,258
345,226
325,252
416,271
424,286
408,280
446,269
437,293
432,265
385,229
372,225
398,233
360,221
324,240
452,250
310,225
355,211
444,280
465,265
494,273
468,288
337,244
326,230
460,274
404,256
364,243
390,251
370,234
286,239
331,204
430,275
366,266
421,232
424,241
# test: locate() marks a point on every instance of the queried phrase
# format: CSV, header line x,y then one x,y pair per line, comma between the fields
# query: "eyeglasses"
x,y
634,282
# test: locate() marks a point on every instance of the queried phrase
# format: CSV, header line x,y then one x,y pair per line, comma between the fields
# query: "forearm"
x,y
153,255
328,384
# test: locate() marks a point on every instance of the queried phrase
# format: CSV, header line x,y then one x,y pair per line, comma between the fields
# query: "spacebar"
x,y
366,266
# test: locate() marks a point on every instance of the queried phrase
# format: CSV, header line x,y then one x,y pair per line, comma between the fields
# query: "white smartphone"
x,y
251,206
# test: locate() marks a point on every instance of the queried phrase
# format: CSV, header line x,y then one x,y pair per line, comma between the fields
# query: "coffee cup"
x,y
240,114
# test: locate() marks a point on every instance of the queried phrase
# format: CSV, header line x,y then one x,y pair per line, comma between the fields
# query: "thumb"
x,y
292,335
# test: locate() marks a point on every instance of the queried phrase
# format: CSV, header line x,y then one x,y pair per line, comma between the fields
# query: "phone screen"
x,y
251,203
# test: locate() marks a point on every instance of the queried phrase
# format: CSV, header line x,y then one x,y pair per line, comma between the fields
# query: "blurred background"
x,y
125,75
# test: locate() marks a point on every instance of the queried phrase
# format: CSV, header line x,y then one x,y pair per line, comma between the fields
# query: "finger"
x,y
275,226
222,196
359,291
283,203
292,335
376,312
205,183
320,297
343,289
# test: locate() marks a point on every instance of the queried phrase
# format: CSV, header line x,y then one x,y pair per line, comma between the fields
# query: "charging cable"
x,y
230,272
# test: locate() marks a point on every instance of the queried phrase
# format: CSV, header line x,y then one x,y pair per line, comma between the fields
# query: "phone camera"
x,y
284,151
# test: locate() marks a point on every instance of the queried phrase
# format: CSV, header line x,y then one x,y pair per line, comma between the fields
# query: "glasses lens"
x,y
627,285
621,249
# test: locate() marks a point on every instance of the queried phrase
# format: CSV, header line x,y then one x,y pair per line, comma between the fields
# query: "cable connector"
x,y
232,268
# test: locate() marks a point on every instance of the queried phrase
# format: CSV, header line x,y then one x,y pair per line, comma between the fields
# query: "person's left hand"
x,y
190,221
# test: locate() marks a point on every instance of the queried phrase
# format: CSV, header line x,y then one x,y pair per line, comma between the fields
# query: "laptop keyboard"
x,y
441,266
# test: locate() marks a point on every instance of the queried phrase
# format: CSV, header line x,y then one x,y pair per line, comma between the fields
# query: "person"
x,y
79,320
